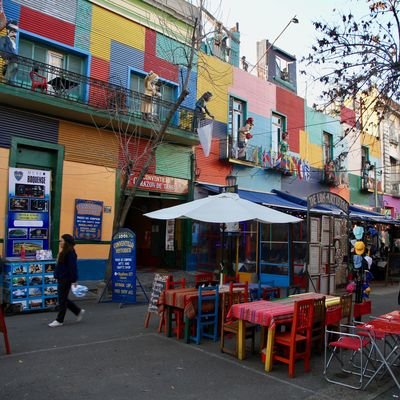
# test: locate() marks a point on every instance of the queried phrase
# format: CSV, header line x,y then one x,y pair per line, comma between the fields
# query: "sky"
x,y
265,19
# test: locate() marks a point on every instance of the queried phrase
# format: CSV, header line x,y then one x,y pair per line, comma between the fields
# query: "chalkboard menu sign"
x,y
159,284
393,272
124,267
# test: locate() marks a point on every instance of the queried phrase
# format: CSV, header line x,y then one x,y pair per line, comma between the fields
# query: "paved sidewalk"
x,y
110,355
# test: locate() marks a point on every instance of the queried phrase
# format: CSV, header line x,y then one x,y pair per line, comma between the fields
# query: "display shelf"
x,y
29,285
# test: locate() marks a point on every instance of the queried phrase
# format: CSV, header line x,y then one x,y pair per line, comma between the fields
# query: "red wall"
x,y
211,169
161,67
47,26
292,106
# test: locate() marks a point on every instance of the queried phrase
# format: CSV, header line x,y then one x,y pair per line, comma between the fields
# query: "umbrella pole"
x,y
222,267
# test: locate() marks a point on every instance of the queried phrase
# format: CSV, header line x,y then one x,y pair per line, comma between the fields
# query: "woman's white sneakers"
x,y
55,324
80,315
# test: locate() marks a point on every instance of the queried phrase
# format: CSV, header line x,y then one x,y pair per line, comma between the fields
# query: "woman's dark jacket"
x,y
68,269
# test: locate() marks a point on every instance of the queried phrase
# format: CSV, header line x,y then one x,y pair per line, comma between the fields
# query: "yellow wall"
x,y
4,156
89,182
315,156
216,77
107,26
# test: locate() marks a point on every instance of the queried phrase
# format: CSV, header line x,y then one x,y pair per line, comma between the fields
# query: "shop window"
x,y
247,247
274,249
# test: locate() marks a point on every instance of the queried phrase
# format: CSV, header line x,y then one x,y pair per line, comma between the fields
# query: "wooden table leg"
x,y
169,320
241,340
187,330
269,349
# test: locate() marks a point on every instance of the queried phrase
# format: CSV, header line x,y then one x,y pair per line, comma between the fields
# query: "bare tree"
x,y
359,56
137,146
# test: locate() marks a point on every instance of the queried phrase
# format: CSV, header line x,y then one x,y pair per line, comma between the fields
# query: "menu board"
x,y
159,284
124,267
325,230
28,211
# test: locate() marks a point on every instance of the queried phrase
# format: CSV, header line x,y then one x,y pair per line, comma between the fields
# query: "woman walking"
x,y
66,273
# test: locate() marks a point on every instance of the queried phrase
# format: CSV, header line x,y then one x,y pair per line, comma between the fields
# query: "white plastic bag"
x,y
79,290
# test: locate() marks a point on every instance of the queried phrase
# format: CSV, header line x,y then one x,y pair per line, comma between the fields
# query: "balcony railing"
x,y
115,100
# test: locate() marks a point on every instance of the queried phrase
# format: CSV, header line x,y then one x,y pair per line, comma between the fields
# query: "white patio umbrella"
x,y
224,208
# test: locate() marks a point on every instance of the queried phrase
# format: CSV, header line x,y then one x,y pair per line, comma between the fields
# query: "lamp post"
x,y
231,185
293,20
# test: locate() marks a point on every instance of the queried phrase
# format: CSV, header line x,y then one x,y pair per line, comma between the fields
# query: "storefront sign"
x,y
329,198
28,211
124,267
163,184
88,219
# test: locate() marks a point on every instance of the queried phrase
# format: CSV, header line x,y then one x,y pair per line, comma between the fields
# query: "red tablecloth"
x,y
268,313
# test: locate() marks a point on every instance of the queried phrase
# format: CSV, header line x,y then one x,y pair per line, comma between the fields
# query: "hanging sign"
x,y
28,211
124,267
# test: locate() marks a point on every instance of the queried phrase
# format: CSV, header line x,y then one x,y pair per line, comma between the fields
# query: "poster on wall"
x,y
28,224
88,219
170,235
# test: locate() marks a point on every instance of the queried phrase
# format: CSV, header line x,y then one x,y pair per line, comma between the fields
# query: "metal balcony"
x,y
62,93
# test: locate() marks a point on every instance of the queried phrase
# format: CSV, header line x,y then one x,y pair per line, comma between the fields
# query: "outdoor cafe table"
x,y
268,314
388,325
185,299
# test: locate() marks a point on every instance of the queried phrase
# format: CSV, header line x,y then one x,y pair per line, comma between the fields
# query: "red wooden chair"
x,y
360,309
38,81
318,328
296,344
177,316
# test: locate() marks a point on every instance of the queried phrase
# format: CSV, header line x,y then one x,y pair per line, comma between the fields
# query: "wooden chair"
x,y
318,328
231,327
346,302
177,315
296,344
207,314
38,81
204,278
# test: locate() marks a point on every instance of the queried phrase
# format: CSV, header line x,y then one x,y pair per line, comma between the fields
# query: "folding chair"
x,y
349,344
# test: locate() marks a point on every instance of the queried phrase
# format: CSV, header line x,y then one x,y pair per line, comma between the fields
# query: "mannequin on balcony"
x,y
150,91
244,137
8,52
201,110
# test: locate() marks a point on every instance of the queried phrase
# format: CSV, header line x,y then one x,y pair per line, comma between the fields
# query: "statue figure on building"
x,y
245,64
244,137
201,110
8,52
330,177
150,92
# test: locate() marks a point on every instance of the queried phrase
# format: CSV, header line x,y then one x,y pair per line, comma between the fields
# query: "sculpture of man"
x,y
201,110
150,90
244,136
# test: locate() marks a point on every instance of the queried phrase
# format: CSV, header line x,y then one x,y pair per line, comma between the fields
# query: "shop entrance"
x,y
159,243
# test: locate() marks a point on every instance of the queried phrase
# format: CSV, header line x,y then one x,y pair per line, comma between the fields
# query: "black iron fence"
x,y
116,100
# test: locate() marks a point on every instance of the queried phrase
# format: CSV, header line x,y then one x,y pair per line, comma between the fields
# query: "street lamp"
x,y
294,20
231,185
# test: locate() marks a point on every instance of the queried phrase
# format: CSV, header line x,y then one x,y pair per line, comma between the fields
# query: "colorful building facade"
x,y
79,85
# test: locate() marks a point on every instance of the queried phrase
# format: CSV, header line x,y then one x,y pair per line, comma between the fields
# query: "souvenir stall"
x,y
28,280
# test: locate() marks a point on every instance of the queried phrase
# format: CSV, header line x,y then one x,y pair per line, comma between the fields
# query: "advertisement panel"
x,y
28,225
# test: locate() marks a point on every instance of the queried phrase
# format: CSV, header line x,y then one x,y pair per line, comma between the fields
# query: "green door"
x,y
46,156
